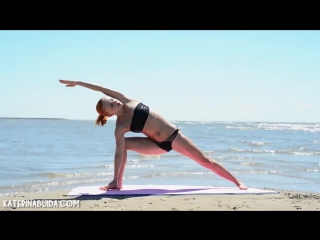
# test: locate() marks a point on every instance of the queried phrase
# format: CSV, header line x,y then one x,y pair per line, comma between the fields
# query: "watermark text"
x,y
41,203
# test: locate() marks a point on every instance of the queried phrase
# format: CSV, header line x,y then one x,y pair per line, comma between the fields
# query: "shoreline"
x,y
283,201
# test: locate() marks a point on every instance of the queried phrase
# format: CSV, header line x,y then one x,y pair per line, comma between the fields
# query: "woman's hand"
x,y
68,83
112,185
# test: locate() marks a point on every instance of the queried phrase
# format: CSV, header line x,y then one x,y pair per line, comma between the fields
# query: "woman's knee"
x,y
204,160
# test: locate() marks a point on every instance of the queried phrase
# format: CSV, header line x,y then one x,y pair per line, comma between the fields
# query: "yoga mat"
x,y
129,190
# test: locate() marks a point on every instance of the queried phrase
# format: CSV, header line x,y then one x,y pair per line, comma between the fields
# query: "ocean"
x,y
52,154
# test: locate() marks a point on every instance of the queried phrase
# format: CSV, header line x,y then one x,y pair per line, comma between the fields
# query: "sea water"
x,y
52,154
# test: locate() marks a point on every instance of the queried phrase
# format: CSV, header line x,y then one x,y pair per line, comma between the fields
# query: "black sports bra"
x,y
139,118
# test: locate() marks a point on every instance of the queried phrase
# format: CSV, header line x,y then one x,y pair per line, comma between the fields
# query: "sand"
x,y
59,201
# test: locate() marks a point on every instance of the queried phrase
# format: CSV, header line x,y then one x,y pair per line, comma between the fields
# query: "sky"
x,y
213,75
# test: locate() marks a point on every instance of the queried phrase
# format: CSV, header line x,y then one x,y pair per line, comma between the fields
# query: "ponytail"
x,y
101,120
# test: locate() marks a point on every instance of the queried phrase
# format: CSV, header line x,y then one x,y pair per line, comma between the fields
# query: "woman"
x,y
162,136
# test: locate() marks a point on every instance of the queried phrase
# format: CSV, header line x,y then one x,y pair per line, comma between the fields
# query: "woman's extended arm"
x,y
119,153
116,183
112,93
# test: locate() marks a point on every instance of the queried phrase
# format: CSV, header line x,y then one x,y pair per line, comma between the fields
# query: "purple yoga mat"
x,y
165,190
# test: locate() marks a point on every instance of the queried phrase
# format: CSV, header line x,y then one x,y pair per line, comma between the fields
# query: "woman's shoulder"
x,y
123,123
131,106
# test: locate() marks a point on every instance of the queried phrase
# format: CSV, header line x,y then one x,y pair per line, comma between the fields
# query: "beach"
x,y
46,159
283,201
246,104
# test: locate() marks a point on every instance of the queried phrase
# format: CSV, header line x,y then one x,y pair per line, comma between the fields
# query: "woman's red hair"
x,y
101,120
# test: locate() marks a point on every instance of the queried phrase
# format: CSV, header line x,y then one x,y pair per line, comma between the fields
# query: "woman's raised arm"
x,y
107,91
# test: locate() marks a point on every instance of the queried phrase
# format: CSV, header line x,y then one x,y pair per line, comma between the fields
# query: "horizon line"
x,y
48,118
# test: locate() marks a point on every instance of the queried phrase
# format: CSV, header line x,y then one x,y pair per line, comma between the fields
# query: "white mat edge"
x,y
239,192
